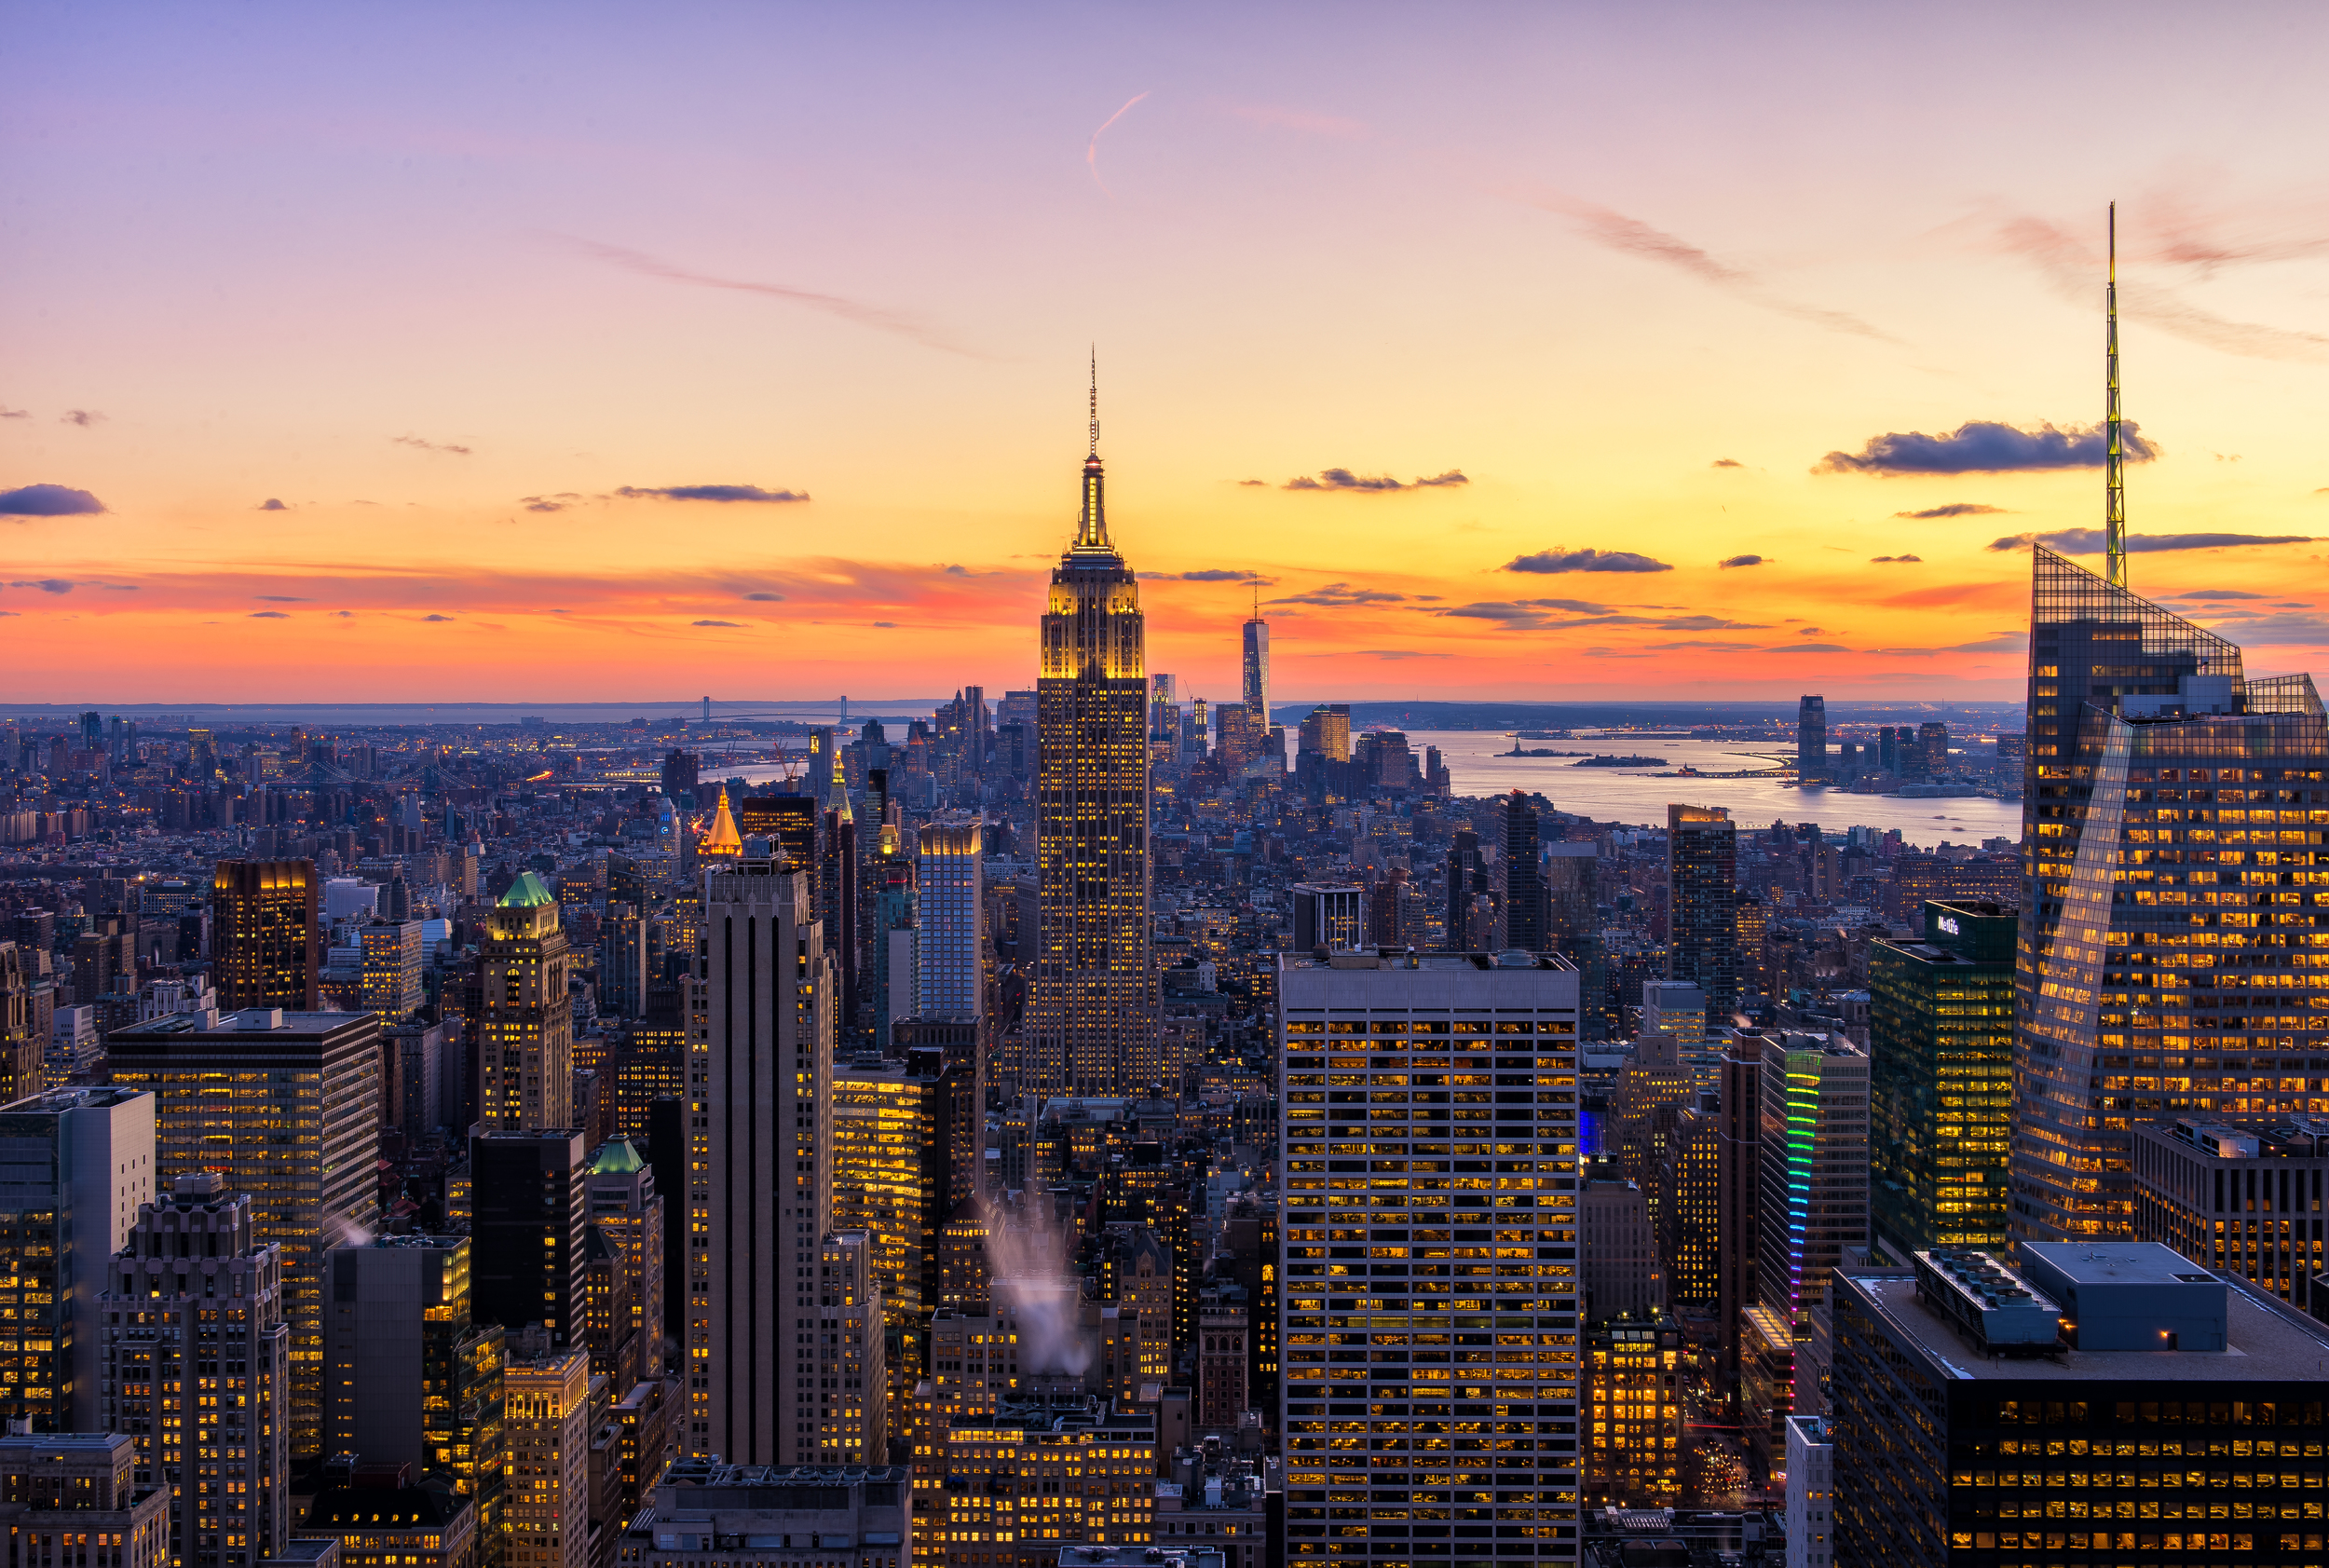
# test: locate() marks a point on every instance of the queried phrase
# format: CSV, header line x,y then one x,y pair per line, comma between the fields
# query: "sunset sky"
x,y
566,353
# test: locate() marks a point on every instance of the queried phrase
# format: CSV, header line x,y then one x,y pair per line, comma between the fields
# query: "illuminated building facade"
x,y
1634,1433
75,1165
525,1030
1430,1288
628,1213
883,1130
60,1486
1941,1081
266,949
1702,903
1811,741
286,1106
547,1522
950,950
392,968
1092,1007
1690,1208
2243,1198
2168,956
197,1371
1012,1490
1254,667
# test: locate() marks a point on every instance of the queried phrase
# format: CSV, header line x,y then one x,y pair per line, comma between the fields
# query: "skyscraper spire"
x,y
2114,473
1092,527
1096,400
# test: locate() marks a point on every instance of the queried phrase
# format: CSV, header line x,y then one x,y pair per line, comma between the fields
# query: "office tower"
x,y
1018,1472
524,1028
762,1198
266,947
622,965
2156,936
1811,741
411,1376
2013,754
681,770
948,1054
528,1208
1932,744
1092,1007
1254,667
1329,915
1470,895
1749,921
22,1042
1813,1164
1222,1362
1459,1191
1810,1493
1941,1081
950,958
2239,1198
896,944
1645,1105
1569,921
1702,903
1523,875
885,1123
1326,731
1675,1010
844,1418
1690,1209
392,968
58,1485
627,1210
869,1506
1621,1274
1634,1451
76,1165
547,1397
285,1106
1163,709
198,1367
1957,1417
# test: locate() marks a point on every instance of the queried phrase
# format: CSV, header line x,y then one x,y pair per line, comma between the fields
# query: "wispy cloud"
x,y
1955,508
46,584
271,504
1092,151
446,447
1726,463
1277,117
708,493
1730,561
1392,653
731,625
47,500
1894,560
281,598
1987,447
436,618
2093,541
1344,479
898,322
7,413
1561,559
1342,594
1208,574
83,417
269,615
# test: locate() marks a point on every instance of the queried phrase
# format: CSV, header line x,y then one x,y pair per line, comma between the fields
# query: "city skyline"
x,y
576,417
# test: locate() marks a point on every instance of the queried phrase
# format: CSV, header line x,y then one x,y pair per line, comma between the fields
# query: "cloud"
x,y
1344,479
1559,559
1340,594
1092,152
1726,463
1893,560
1212,574
1702,643
2216,593
344,615
1262,483
1395,653
47,500
1985,446
535,503
885,624
709,493
2091,541
1631,237
15,414
732,625
444,446
1808,648
863,315
1532,615
766,598
46,584
1277,118
279,599
271,504
1729,561
1955,508
83,417
427,617
269,615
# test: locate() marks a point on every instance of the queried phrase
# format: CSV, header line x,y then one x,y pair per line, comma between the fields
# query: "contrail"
x,y
832,305
1091,153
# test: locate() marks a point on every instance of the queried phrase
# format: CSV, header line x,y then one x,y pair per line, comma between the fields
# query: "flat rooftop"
x,y
2266,1341
1416,959
2119,1262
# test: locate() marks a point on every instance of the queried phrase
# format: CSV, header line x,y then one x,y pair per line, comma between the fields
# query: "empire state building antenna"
x,y
2114,472
1096,400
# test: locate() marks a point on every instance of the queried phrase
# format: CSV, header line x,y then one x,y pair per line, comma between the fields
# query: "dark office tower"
x,y
679,774
793,825
1467,885
1739,1192
266,948
1093,1003
1939,1071
526,1192
837,899
1255,665
667,1154
1702,903
2160,937
1932,744
1811,740
1524,877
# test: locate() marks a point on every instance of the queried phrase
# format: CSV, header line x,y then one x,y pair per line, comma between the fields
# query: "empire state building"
x,y
1092,1004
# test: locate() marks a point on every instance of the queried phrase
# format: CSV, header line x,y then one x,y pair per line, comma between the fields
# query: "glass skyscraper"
x,y
2173,951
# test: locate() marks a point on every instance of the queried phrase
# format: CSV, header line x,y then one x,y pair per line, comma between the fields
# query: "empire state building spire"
x,y
1091,526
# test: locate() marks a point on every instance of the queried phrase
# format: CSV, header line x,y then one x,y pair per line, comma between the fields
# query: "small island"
x,y
1605,760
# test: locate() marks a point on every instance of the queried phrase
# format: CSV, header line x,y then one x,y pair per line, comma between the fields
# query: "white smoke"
x,y
1031,1283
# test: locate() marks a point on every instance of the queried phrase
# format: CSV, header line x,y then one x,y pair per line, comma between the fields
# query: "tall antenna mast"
x,y
2114,472
1096,397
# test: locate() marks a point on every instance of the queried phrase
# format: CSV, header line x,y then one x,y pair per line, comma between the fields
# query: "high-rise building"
x,y
1524,875
1019,1472
76,1165
528,1214
1690,1208
285,1106
885,1122
1471,896
811,1505
197,1369
1254,667
1092,1006
1621,1272
1810,1493
1964,1394
2239,1198
1941,1081
548,1403
1471,1239
392,968
2166,834
266,947
627,1211
1634,1451
1329,915
1813,1165
411,1376
524,1029
1326,731
23,1044
59,1484
1811,741
1702,903
950,908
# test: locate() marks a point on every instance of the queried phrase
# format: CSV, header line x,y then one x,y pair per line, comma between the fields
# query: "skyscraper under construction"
x,y
1093,1026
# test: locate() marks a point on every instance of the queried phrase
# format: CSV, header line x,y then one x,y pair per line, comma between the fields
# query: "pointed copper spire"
x,y
2114,472
723,839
